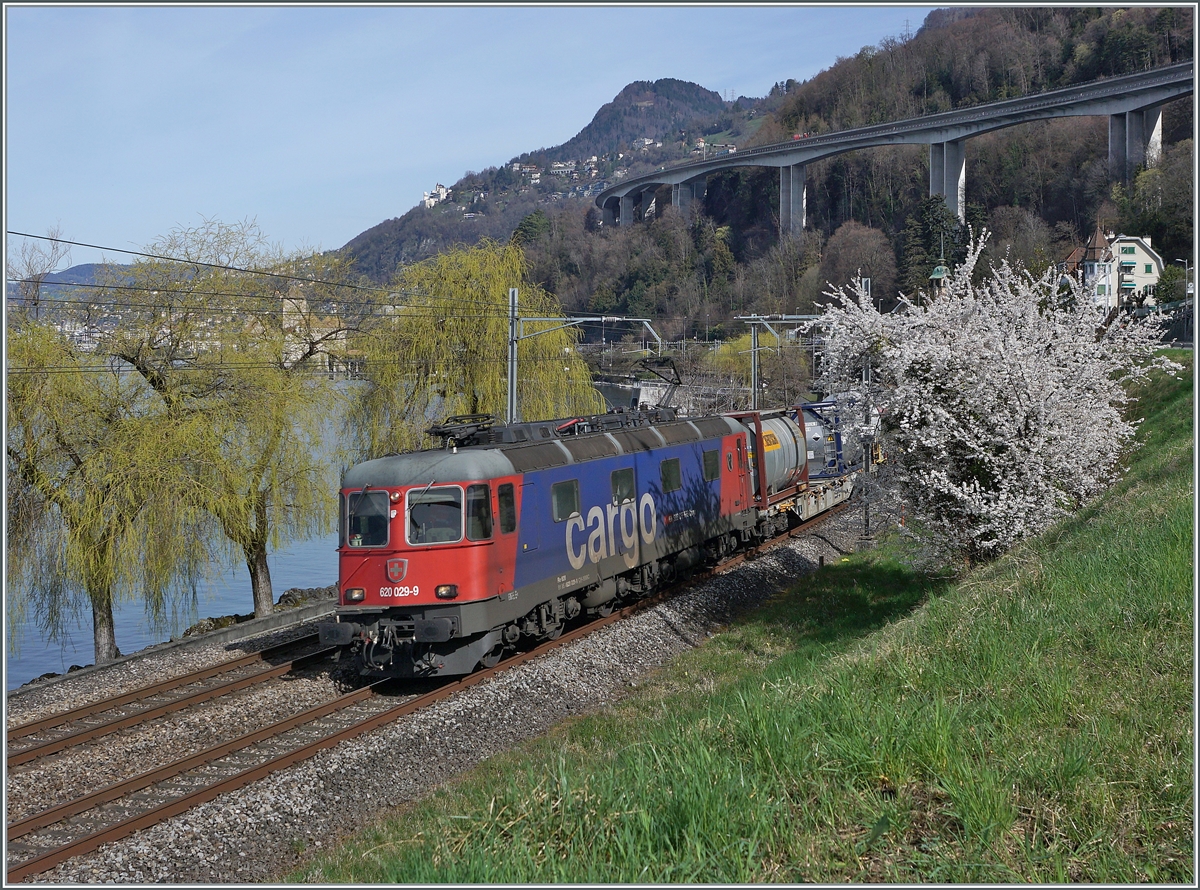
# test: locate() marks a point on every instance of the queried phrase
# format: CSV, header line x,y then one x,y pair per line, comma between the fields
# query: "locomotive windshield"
x,y
435,516
367,519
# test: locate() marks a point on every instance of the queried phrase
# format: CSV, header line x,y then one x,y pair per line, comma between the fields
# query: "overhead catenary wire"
x,y
118,365
376,312
383,293
187,262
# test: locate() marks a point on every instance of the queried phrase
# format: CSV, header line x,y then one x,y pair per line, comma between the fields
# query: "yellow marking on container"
x,y
770,441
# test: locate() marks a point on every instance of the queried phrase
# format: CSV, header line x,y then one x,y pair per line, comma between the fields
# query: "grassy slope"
x,y
1031,723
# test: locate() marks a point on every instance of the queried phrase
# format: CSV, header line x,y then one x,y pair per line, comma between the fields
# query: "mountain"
x,y
662,110
647,124
62,285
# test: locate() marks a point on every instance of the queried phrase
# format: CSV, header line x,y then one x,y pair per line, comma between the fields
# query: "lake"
x,y
311,563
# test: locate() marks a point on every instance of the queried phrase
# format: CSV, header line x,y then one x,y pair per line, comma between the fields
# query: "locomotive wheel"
x,y
604,609
492,658
554,634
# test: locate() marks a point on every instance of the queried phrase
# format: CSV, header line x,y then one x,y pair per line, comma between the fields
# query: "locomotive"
x,y
452,556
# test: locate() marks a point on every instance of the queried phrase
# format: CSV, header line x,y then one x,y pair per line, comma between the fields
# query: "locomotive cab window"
x,y
367,514
508,508
712,465
622,485
671,480
479,512
565,499
435,515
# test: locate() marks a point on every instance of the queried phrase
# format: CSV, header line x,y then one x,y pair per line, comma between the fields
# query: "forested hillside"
x,y
1041,188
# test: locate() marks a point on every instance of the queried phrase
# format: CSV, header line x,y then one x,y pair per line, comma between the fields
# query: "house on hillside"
x,y
1123,269
439,194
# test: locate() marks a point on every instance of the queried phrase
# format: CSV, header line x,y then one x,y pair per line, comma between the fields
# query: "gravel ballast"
x,y
261,832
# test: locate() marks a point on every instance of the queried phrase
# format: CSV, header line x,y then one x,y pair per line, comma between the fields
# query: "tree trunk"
x,y
104,633
256,560
260,580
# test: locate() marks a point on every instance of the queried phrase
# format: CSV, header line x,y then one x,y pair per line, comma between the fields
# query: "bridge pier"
x,y
684,193
608,213
646,200
948,175
627,209
792,200
1134,140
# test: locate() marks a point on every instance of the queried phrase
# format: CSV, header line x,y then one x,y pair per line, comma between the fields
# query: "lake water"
x,y
311,563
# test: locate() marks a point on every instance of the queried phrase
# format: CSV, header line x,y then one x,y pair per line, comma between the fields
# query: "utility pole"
x,y
753,367
867,442
765,320
512,355
516,327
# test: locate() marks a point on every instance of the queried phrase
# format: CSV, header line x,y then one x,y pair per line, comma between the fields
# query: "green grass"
x,y
1029,722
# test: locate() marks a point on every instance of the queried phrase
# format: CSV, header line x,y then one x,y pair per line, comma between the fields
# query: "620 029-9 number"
x,y
399,591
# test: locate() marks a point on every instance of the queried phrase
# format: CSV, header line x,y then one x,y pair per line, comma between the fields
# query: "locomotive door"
x,y
529,527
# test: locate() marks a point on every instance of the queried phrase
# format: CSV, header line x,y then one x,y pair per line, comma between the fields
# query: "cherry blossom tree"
x,y
1003,401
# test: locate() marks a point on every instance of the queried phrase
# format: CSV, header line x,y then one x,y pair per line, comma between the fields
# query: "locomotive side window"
x,y
565,499
367,519
435,515
479,512
671,480
712,465
622,486
508,508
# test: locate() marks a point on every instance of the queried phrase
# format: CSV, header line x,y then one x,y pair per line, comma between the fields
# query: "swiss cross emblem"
x,y
397,569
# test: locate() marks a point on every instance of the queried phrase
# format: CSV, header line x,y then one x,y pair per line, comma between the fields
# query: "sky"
x,y
123,123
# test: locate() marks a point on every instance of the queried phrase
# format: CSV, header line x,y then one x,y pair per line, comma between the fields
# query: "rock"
x,y
298,596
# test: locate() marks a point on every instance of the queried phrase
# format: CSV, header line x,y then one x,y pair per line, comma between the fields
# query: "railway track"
x,y
39,841
58,732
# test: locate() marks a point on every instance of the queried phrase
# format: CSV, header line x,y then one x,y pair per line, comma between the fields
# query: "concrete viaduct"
x,y
1133,103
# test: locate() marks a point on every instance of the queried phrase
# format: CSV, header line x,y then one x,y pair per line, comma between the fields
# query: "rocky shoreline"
x,y
292,598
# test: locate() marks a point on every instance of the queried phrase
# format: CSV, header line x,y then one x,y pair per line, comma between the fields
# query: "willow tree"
x,y
224,327
783,367
443,350
91,520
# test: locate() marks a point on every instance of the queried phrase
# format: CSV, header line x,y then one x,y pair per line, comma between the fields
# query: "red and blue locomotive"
x,y
451,556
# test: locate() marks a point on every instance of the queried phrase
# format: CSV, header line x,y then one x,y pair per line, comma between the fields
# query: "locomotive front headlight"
x,y
355,594
446,591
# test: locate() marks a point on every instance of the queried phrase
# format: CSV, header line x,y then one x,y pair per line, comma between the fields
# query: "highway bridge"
x,y
1133,103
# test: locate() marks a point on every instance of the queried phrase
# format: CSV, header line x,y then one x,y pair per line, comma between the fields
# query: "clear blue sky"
x,y
122,123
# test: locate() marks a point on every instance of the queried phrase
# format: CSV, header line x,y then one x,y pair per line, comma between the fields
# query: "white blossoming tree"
x,y
1002,400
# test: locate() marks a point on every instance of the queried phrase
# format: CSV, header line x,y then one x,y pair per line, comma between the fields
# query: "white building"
x,y
1123,269
439,194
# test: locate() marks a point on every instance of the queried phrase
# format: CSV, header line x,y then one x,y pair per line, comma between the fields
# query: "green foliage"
x,y
783,367
95,471
444,351
933,236
532,228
